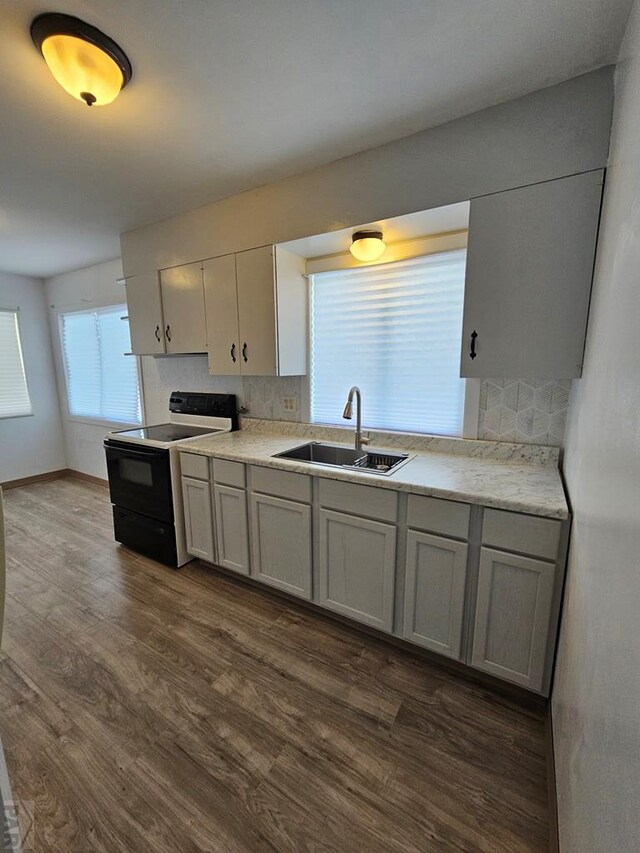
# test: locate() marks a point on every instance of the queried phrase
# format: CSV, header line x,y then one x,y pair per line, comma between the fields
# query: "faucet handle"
x,y
365,439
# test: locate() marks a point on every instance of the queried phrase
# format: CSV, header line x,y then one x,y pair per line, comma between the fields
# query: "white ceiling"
x,y
230,94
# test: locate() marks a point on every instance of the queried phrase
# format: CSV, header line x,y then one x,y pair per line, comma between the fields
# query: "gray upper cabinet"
x,y
255,276
256,308
222,315
357,567
182,291
166,311
528,281
513,617
146,322
435,592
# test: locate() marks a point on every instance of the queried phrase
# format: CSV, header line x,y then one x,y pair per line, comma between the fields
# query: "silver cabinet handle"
x,y
157,333
167,332
244,352
232,353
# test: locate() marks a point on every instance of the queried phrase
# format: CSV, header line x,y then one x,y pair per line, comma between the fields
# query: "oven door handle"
x,y
140,454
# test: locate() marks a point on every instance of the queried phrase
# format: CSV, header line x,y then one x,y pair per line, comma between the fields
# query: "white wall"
x,y
32,445
596,697
91,287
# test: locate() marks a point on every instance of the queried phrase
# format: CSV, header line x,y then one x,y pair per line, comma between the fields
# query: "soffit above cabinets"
x,y
440,220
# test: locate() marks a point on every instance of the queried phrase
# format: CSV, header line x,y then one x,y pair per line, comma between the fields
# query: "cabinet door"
x,y
185,327
198,520
232,533
357,567
513,610
528,281
144,306
281,543
434,592
257,312
221,305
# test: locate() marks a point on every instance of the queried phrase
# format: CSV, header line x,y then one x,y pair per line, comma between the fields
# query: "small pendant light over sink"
x,y
367,245
85,62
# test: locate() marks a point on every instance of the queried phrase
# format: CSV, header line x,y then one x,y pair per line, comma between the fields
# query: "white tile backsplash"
x,y
261,396
161,376
524,411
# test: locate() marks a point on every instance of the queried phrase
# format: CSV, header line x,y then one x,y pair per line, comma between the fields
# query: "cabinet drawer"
x,y
229,473
361,500
447,517
283,484
527,533
193,465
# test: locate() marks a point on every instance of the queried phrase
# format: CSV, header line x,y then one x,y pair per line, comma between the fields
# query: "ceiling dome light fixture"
x,y
367,245
85,62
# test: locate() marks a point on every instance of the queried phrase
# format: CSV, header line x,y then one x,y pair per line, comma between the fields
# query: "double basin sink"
x,y
382,462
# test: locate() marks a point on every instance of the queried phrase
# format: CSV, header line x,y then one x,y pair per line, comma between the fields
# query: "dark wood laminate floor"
x,y
149,710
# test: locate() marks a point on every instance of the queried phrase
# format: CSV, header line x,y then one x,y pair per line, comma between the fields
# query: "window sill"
x,y
390,430
13,417
110,425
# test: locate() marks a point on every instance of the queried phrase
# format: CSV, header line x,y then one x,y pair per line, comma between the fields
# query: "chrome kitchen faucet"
x,y
347,414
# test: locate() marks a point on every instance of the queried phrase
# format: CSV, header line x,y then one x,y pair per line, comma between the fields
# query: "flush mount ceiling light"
x,y
367,245
85,62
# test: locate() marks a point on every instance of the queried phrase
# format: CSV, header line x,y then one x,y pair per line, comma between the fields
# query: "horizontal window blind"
x,y
395,331
14,393
102,382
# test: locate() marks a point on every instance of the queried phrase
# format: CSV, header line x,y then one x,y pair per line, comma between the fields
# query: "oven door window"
x,y
140,480
136,472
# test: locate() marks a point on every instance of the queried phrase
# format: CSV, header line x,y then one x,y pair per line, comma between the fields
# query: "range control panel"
x,y
206,405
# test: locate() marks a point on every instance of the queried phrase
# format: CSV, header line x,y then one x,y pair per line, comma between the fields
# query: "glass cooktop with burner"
x,y
166,432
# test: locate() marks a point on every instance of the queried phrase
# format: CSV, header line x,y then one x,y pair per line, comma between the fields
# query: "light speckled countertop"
x,y
519,486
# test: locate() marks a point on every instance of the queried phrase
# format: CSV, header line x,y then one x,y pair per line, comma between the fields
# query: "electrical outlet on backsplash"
x,y
273,397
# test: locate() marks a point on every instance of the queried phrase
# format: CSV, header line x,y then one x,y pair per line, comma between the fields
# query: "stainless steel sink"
x,y
383,462
324,454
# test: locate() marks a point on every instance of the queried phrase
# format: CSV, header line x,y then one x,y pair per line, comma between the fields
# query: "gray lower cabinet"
x,y
357,568
513,614
281,543
336,545
232,529
196,499
436,572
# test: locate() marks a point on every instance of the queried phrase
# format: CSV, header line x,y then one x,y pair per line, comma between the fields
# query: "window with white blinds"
x,y
394,330
14,393
102,383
